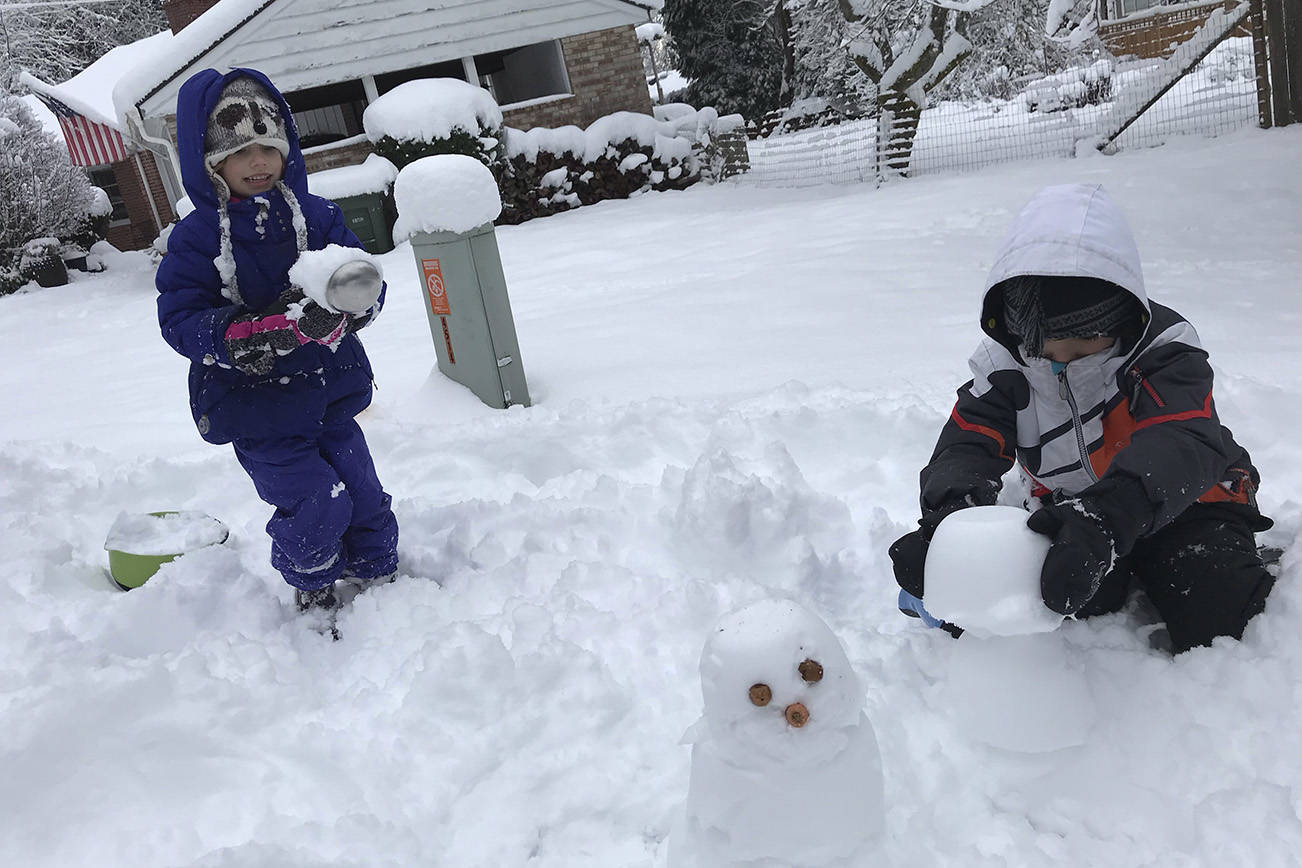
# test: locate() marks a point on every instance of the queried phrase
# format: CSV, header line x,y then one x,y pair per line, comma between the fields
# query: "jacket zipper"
x,y
1140,380
1064,392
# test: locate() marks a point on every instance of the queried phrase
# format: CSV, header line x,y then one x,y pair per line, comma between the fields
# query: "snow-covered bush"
x,y
431,116
94,224
41,193
551,170
1076,87
41,261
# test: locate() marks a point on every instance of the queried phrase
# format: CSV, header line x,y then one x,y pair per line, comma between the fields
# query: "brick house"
x,y
546,63
1153,28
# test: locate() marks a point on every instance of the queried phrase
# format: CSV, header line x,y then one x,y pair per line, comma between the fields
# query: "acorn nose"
x,y
797,715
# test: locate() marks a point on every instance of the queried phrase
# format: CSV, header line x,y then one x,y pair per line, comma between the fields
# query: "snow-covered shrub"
x,y
431,116
1072,88
551,170
10,280
94,224
1231,61
40,260
41,192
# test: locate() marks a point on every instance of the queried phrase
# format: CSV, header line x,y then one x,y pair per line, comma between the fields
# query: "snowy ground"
x,y
735,388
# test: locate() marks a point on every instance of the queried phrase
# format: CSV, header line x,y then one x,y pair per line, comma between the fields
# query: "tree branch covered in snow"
x,y
41,192
56,41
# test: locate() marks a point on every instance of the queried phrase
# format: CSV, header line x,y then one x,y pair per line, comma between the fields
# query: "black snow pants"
x,y
1202,573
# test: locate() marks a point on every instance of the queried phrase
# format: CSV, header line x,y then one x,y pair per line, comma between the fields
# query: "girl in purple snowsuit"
x,y
277,376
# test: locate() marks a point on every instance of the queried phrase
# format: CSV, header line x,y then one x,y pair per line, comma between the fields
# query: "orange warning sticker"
x,y
438,293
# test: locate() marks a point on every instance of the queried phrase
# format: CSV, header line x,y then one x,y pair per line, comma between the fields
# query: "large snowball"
x,y
983,573
444,193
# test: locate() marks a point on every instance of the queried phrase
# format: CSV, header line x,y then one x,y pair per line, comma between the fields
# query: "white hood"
x,y
1071,230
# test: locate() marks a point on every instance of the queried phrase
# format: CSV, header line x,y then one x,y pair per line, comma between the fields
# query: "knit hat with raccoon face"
x,y
245,115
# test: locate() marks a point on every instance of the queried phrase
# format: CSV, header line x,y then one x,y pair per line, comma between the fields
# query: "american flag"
x,y
89,143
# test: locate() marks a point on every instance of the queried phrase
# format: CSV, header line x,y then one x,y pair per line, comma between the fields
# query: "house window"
x,y
526,73
1122,8
107,181
329,113
448,69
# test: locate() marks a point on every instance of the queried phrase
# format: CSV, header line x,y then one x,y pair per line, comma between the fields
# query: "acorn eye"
x,y
797,715
761,694
811,671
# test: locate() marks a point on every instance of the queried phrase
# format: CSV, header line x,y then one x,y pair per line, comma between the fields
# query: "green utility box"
x,y
470,314
371,217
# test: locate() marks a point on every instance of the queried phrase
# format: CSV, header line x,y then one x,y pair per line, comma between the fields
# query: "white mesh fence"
x,y
1052,117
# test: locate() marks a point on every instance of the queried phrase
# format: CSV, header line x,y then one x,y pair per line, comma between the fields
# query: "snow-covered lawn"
x,y
734,390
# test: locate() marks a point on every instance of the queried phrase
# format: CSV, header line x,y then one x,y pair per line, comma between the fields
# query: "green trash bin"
x,y
371,217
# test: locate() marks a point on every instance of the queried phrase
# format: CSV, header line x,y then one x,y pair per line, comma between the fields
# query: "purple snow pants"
x,y
332,516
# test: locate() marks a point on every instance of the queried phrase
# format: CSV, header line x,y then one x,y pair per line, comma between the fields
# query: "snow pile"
x,y
444,193
318,273
604,133
698,124
431,108
983,573
1072,88
1019,693
100,206
785,765
374,175
649,32
168,533
552,140
669,140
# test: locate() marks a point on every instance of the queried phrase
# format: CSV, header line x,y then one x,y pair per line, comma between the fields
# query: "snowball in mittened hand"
x,y
983,573
354,287
314,269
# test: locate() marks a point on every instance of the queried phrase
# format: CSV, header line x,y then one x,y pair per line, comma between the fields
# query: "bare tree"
x,y
56,39
906,48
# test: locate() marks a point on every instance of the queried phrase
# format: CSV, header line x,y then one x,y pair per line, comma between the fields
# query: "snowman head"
x,y
778,686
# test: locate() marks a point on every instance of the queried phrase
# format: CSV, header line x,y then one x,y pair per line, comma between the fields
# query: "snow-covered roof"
x,y
306,43
90,92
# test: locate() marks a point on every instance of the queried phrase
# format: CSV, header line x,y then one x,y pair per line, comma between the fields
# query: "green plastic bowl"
x,y
130,571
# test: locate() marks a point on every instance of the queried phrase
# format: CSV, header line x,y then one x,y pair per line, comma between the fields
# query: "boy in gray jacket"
x,y
1105,400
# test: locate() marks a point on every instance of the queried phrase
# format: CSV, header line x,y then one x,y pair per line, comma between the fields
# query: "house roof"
x,y
306,43
90,92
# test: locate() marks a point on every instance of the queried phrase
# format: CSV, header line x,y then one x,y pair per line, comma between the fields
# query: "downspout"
x,y
137,120
149,194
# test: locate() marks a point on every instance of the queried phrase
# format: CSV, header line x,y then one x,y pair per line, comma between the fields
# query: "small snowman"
x,y
785,765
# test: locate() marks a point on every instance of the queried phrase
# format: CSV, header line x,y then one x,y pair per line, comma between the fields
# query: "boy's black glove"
x,y
1082,553
909,552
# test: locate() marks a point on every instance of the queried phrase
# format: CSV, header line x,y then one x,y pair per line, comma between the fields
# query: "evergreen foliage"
x,y
484,145
732,51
